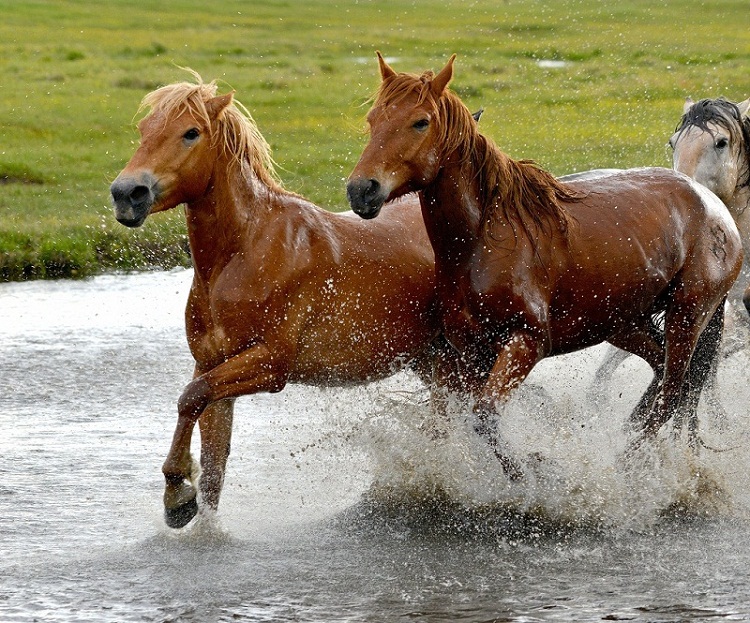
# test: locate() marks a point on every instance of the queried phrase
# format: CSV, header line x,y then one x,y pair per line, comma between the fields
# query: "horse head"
x,y
170,165
403,154
712,145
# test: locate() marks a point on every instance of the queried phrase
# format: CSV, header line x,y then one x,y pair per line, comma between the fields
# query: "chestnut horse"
x,y
528,266
283,291
711,144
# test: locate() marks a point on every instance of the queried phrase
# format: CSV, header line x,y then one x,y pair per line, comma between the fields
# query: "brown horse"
x,y
711,144
528,266
283,291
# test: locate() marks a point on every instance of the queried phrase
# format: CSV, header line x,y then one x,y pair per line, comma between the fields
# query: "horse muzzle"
x,y
366,196
133,198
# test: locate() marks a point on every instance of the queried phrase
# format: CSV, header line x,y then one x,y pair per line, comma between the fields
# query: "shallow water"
x,y
338,506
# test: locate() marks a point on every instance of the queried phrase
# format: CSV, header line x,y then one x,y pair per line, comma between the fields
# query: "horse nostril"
x,y
139,194
365,196
118,191
372,190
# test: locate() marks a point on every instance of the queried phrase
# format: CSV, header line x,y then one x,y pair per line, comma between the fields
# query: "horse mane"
x,y
726,115
519,191
235,129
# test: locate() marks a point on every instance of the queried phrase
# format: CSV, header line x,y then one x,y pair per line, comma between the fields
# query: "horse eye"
x,y
191,134
722,143
421,124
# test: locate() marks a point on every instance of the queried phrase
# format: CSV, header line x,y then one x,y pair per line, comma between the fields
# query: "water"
x,y
337,505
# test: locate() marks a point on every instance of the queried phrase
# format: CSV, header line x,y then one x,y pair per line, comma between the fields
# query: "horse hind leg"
x,y
702,373
647,342
685,321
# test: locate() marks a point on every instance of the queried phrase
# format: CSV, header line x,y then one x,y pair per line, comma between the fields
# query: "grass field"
x,y
73,74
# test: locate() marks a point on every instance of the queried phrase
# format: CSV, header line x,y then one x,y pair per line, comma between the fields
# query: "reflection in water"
x,y
337,505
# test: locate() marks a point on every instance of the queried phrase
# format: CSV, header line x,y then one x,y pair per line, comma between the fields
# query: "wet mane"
x,y
726,115
519,191
235,129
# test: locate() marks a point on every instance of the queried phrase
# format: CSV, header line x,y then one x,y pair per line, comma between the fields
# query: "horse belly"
x,y
586,317
339,355
367,337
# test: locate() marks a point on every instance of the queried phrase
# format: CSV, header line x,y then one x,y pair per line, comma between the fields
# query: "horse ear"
x,y
744,107
441,81
385,69
216,105
688,103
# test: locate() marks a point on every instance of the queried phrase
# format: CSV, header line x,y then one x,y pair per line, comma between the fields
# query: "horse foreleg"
x,y
515,360
180,505
437,367
216,436
249,372
450,382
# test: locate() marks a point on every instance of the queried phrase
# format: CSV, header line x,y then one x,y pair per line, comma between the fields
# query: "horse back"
x,y
653,201
637,235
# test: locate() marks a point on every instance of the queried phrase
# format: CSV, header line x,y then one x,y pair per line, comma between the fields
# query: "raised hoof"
x,y
180,516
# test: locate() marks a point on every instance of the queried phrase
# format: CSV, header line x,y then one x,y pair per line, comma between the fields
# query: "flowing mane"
x,y
236,129
726,115
518,191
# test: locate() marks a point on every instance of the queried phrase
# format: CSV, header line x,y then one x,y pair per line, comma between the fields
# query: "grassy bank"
x,y
75,71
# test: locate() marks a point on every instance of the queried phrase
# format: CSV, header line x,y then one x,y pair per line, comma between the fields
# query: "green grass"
x,y
73,74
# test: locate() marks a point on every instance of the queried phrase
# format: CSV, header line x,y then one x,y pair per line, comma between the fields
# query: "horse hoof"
x,y
180,516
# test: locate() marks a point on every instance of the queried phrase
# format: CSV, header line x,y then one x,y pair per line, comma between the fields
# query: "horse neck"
x,y
454,204
739,203
221,221
452,215
741,199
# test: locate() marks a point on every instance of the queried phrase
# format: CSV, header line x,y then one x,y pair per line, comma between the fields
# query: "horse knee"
x,y
194,399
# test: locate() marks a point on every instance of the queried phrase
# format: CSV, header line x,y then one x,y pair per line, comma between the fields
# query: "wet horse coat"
x,y
528,267
711,144
283,291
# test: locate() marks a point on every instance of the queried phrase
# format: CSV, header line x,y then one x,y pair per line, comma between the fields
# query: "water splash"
x,y
572,452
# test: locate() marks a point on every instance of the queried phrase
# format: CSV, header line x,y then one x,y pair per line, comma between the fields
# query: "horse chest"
x,y
473,317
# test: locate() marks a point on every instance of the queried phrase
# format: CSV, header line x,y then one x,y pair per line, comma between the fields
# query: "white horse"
x,y
711,144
